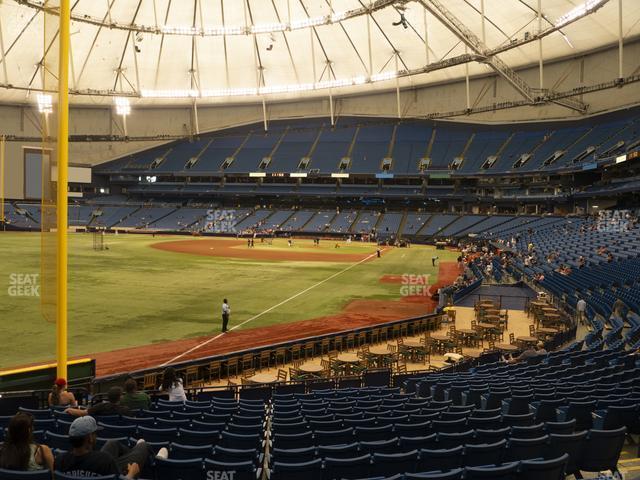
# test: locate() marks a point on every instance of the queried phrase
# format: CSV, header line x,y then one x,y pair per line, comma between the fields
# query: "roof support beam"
x,y
471,40
4,56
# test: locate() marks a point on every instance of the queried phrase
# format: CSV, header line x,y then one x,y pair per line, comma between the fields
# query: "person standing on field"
x,y
226,311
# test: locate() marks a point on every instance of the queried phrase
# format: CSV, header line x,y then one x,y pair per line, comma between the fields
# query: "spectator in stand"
x,y
59,395
609,257
172,385
618,308
113,459
581,262
530,352
581,308
132,399
19,451
111,407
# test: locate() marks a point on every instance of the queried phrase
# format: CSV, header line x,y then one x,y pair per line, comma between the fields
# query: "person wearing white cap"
x,y
113,459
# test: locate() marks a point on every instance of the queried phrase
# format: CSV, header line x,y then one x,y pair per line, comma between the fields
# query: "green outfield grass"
x,y
133,295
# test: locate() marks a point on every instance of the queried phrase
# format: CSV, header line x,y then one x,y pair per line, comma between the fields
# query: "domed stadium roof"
x,y
223,51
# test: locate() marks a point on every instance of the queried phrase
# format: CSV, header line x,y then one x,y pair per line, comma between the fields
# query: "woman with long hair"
x,y
19,451
59,395
172,385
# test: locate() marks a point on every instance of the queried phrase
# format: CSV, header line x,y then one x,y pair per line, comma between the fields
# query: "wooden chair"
x,y
297,363
351,341
150,381
309,350
401,368
192,377
492,345
532,331
512,338
296,352
265,359
396,332
340,343
280,357
247,361
324,346
504,317
326,367
384,334
364,354
282,375
375,336
233,365
214,370
249,372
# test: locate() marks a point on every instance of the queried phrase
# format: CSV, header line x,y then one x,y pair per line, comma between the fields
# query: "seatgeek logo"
x,y
24,285
613,221
220,475
220,221
412,285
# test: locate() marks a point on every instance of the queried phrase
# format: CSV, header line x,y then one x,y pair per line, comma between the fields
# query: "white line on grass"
x,y
208,341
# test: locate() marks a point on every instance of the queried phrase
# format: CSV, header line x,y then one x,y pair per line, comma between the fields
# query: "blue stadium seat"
x,y
241,470
553,469
347,468
339,451
392,463
507,471
450,440
440,459
311,470
19,475
379,446
293,455
484,454
178,451
154,435
298,440
456,474
571,444
526,448
602,449
173,469
223,454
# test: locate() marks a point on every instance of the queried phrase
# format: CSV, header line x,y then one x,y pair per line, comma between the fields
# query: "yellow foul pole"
x,y
2,178
63,167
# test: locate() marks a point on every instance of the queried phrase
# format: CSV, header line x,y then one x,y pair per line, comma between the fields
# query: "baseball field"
x,y
151,298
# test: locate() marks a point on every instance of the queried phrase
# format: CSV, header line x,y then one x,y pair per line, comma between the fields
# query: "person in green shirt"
x,y
133,399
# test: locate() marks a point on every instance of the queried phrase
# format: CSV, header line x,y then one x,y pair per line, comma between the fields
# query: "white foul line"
x,y
208,341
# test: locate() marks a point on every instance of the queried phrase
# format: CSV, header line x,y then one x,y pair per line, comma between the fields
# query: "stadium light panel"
x,y
45,103
577,12
123,107
292,88
379,77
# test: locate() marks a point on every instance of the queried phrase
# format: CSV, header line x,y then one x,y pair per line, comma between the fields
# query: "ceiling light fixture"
x,y
578,12
123,107
45,103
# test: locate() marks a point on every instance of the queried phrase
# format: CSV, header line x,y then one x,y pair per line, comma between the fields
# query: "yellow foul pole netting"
x,y
63,165
54,70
